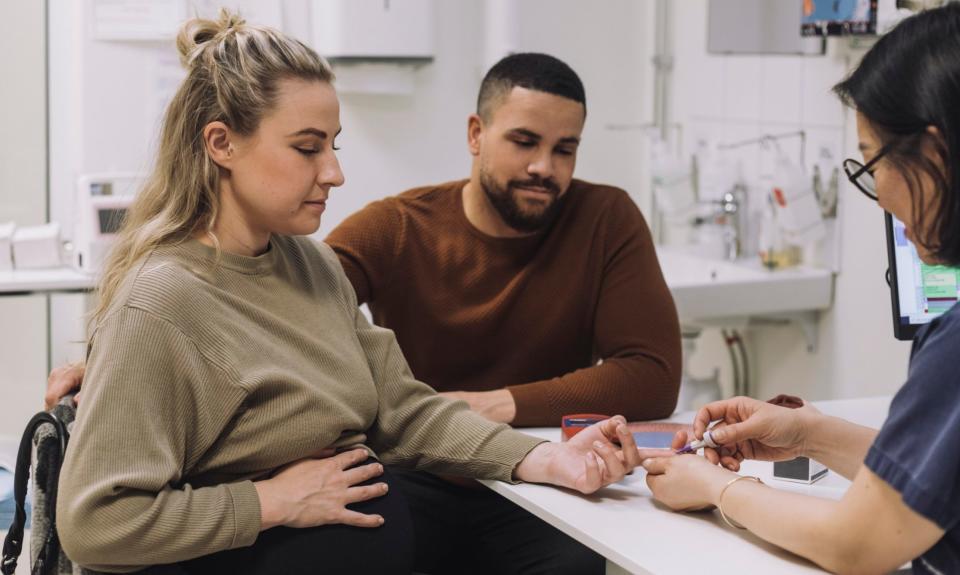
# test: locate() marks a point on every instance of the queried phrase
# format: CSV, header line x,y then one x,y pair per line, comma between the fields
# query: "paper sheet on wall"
x,y
137,19
153,20
260,12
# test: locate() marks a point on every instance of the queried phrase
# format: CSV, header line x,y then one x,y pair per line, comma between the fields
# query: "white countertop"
x,y
622,522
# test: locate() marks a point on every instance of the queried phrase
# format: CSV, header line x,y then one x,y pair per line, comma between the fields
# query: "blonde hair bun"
x,y
198,33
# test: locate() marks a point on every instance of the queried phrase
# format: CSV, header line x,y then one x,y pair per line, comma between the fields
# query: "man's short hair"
x,y
533,71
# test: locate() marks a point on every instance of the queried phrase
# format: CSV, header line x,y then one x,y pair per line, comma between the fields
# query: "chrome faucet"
x,y
730,213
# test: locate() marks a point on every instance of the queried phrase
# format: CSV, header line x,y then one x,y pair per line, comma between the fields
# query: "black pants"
x,y
387,549
451,529
463,530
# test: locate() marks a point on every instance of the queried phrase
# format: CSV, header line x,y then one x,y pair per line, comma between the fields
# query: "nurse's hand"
x,y
752,429
685,482
596,457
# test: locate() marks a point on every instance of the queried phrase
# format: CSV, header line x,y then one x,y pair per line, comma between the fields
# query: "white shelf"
x,y
45,281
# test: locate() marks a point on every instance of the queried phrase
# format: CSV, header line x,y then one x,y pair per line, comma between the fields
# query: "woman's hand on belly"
x,y
313,492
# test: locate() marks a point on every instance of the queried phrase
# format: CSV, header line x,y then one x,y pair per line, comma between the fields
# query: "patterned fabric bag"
x,y
46,435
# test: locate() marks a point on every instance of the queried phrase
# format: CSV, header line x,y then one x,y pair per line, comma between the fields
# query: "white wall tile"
x,y
819,105
741,87
702,88
781,86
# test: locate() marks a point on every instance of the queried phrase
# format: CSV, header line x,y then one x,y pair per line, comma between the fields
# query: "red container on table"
x,y
571,425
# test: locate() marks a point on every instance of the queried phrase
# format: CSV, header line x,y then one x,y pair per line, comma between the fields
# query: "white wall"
x,y
726,98
23,189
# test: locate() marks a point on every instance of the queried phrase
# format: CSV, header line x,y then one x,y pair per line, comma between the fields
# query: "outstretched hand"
x,y
594,458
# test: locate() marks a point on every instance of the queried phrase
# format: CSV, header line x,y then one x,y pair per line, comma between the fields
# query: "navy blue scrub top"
x,y
918,449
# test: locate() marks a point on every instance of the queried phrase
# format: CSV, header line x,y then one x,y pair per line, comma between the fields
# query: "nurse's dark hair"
x,y
908,81
530,70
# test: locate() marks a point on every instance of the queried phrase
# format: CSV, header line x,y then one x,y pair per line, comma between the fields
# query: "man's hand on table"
x,y
497,405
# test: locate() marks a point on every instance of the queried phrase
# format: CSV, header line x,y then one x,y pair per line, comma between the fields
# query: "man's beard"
x,y
505,201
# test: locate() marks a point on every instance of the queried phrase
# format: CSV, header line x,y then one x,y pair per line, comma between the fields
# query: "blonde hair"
x,y
233,74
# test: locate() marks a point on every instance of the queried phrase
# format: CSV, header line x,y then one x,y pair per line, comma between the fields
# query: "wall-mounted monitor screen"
x,y
839,17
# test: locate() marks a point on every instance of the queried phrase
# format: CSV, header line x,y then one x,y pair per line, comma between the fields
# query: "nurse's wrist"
x,y
817,435
716,484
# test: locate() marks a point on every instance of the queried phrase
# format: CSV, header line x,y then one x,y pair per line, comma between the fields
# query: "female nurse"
x,y
904,502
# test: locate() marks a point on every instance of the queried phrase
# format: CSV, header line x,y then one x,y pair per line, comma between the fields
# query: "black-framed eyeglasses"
x,y
859,174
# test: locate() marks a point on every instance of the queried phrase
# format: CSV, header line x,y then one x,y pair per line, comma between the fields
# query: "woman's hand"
x,y
751,429
685,482
596,457
313,492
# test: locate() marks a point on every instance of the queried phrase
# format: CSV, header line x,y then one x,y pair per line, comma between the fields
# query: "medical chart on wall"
x,y
159,20
126,20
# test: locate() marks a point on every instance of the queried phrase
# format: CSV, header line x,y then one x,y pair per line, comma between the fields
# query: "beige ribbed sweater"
x,y
203,378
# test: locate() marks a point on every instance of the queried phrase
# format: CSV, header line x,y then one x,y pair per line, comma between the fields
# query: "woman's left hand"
x,y
685,482
596,457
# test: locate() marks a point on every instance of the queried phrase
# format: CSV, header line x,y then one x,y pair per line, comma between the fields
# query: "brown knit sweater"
x,y
204,377
532,314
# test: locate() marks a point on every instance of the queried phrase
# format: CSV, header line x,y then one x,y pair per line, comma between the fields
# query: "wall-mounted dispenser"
x,y
396,31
